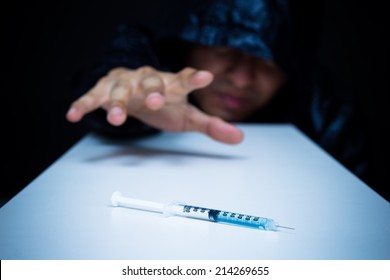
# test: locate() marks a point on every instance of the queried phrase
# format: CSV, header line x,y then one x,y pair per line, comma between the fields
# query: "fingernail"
x,y
71,111
116,111
202,73
154,94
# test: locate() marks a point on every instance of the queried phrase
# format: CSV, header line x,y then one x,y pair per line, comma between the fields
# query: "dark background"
x,y
45,45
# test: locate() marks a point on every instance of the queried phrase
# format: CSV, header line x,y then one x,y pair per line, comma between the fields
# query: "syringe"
x,y
189,211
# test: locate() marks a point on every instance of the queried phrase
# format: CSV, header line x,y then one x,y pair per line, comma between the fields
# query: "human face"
x,y
242,83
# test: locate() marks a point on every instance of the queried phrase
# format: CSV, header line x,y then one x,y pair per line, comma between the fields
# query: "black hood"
x,y
256,27
252,26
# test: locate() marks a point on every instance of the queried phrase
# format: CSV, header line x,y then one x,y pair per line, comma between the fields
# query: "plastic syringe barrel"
x,y
118,200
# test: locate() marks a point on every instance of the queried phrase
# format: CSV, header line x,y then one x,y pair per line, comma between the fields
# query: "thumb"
x,y
213,127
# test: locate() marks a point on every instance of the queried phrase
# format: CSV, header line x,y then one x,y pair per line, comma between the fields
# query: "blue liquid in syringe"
x,y
227,217
238,219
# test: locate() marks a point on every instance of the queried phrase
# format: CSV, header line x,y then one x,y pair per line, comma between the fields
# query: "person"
x,y
227,62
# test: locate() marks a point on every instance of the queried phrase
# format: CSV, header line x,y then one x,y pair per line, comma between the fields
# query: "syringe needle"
x,y
286,227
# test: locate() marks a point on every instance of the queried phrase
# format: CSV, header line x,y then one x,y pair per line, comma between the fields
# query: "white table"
x,y
277,172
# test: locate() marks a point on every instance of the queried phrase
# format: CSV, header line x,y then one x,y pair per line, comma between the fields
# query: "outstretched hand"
x,y
157,98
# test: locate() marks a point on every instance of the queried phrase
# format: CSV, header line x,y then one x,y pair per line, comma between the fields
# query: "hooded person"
x,y
259,73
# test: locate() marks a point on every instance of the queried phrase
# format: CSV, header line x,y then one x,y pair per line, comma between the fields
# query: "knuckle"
x,y
122,90
184,77
151,82
146,70
116,103
187,71
122,84
103,81
117,71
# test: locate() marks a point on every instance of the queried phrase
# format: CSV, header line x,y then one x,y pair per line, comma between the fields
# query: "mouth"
x,y
232,101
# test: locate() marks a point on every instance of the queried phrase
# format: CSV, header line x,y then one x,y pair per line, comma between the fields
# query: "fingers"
x,y
213,127
132,91
121,92
200,79
153,88
90,101
125,92
116,106
191,79
224,132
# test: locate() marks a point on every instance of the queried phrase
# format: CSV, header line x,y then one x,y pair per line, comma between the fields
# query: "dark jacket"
x,y
310,99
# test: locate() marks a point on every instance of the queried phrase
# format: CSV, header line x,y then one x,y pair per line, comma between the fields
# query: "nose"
x,y
242,72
